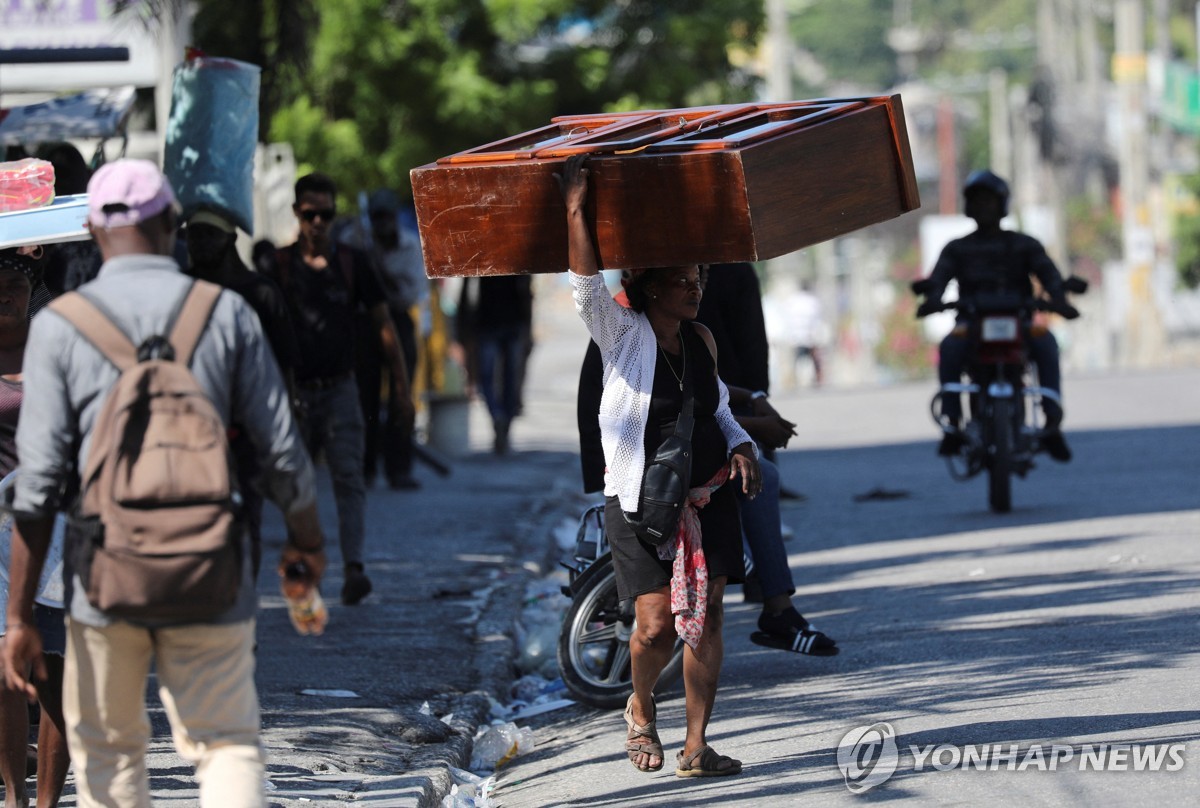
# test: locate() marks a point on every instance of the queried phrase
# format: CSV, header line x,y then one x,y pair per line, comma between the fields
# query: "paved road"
x,y
1069,621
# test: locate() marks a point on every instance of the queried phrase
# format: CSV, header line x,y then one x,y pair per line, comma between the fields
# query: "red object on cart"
x,y
26,184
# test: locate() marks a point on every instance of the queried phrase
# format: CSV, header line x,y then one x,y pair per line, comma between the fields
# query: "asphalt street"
x,y
1069,621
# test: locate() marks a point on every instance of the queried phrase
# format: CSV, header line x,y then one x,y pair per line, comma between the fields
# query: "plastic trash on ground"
x,y
566,534
534,695
541,621
498,744
26,184
469,790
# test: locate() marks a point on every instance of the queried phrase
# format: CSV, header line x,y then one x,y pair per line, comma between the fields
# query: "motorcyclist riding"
x,y
994,260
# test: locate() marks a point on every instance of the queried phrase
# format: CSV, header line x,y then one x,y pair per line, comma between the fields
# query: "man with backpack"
x,y
129,386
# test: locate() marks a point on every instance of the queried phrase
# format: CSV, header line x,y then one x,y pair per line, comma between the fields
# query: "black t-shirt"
x,y
266,298
732,309
325,305
994,262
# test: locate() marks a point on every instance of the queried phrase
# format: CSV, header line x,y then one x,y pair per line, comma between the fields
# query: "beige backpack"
x,y
158,476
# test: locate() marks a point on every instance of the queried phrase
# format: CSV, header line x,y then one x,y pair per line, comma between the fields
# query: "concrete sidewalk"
x,y
450,563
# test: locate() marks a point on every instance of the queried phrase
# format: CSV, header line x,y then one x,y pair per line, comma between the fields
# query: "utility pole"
x,y
1000,124
779,43
174,34
1138,344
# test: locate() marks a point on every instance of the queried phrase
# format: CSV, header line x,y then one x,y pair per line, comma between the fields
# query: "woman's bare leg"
x,y
650,650
702,668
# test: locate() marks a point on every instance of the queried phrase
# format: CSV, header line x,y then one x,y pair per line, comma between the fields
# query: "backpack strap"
x,y
192,319
97,328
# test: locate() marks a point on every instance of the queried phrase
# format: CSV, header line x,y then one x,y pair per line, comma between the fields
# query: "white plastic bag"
x,y
499,744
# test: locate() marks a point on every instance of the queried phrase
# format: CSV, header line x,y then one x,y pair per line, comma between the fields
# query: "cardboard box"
x,y
670,187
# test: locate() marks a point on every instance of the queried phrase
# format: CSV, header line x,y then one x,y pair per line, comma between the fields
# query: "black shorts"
x,y
639,569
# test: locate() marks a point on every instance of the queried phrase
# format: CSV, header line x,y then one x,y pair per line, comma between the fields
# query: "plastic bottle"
x,y
306,607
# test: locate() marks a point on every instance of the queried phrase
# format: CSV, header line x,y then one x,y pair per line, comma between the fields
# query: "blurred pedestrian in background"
x,y
396,252
325,285
795,323
495,318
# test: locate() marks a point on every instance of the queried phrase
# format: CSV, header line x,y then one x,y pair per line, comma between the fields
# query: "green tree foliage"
x,y
1187,236
273,34
392,84
849,39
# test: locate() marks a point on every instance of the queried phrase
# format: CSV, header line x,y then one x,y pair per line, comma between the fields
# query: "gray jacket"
x,y
67,379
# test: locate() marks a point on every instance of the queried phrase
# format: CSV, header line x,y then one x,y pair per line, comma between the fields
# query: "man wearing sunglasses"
x,y
329,287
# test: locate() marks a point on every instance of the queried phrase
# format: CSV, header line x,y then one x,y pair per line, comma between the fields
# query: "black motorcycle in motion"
x,y
1005,428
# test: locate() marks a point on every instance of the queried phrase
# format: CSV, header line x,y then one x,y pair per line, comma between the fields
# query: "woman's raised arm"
x,y
572,182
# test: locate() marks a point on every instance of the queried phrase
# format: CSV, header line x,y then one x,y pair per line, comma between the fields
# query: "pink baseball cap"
x,y
127,192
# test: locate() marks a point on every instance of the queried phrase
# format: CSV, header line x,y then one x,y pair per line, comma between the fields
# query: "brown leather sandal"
x,y
705,762
651,747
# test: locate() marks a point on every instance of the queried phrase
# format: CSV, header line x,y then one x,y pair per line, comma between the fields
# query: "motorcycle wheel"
x,y
593,645
1000,469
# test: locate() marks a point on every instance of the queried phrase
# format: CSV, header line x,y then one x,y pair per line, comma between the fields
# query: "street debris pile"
x,y
539,690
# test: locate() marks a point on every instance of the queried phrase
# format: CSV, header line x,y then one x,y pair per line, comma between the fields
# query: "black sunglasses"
x,y
312,214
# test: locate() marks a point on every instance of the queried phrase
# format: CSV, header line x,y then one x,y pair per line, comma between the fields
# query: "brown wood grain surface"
x,y
723,184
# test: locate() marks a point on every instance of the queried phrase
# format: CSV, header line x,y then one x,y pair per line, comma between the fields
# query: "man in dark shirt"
x,y
732,310
212,256
992,259
326,285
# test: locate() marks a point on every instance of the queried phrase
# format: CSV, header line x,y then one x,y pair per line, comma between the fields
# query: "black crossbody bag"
x,y
667,479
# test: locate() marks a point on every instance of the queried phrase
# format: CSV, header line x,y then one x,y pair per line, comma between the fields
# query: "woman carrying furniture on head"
x,y
657,361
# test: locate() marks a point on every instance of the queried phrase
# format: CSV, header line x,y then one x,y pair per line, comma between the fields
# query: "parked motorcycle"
x,y
1005,428
593,645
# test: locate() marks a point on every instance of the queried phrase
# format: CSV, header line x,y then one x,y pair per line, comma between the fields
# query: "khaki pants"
x,y
206,683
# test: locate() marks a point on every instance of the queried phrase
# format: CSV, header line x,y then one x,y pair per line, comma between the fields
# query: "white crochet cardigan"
x,y
629,348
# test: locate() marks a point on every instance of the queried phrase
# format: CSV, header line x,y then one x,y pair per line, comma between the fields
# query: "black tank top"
x,y
709,449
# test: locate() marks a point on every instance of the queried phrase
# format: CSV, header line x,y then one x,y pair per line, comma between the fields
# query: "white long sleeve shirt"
x,y
629,350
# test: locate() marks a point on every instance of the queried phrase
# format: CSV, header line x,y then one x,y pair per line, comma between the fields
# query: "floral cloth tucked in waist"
x,y
689,571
